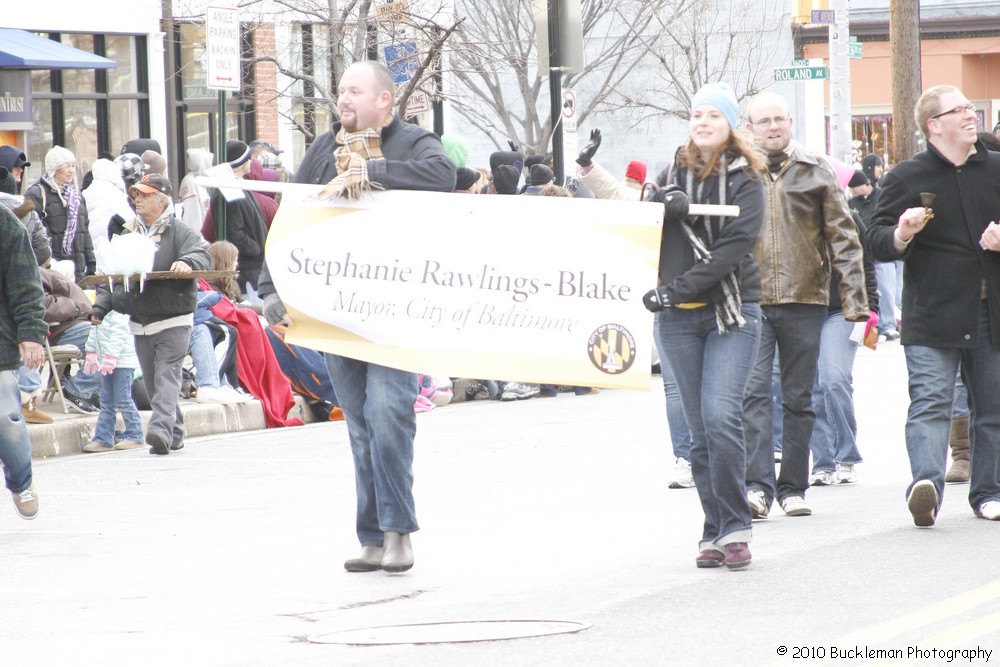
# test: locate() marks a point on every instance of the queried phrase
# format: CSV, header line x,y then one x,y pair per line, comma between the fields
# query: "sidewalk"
x,y
70,432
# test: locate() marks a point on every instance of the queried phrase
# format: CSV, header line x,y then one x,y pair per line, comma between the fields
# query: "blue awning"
x,y
20,49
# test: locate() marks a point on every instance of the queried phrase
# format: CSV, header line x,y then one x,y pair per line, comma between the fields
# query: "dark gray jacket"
x,y
414,159
160,299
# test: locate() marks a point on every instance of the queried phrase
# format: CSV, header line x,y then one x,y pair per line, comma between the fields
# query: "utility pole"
x,y
840,83
555,90
904,47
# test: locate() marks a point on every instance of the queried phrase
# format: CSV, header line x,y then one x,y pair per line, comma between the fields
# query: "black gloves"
x,y
675,202
274,310
587,154
656,300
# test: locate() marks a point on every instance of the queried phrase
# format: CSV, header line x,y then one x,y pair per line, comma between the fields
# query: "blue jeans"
x,y
82,384
961,405
202,351
116,394
885,277
680,434
835,434
378,408
15,448
711,370
794,330
928,421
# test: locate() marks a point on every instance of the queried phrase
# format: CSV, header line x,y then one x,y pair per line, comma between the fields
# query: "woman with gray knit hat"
x,y
64,212
707,312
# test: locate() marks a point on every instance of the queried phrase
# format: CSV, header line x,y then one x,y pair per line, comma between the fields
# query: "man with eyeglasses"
x,y
950,249
807,230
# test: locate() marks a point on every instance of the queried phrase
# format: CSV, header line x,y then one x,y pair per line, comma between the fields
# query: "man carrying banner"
x,y
370,147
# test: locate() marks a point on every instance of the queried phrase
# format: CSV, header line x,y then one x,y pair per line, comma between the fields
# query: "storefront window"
x,y
81,132
39,141
875,134
192,61
123,123
122,78
79,80
74,108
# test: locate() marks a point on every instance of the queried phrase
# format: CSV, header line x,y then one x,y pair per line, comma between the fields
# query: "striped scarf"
x,y
353,151
729,313
71,196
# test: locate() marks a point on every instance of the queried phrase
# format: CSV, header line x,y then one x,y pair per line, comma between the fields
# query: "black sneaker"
x,y
157,444
79,404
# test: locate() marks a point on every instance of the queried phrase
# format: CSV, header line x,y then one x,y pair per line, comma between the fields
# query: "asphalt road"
x,y
230,552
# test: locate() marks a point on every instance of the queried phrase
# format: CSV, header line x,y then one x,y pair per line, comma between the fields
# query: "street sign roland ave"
x,y
222,46
799,73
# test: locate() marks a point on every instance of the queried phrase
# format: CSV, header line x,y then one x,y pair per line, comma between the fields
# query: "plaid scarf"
x,y
353,151
72,198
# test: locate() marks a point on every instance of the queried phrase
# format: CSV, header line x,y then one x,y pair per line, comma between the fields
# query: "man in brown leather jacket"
x,y
807,231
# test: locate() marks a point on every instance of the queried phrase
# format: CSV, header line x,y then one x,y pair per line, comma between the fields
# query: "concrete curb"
x,y
69,433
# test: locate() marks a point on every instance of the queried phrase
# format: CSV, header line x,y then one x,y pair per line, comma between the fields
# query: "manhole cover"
x,y
448,632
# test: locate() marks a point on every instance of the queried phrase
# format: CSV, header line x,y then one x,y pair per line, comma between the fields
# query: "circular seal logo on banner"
x,y
612,349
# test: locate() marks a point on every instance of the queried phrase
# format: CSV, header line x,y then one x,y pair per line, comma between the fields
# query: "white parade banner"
x,y
535,289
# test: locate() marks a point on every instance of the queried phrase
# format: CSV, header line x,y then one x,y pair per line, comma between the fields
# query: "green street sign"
x,y
854,49
799,73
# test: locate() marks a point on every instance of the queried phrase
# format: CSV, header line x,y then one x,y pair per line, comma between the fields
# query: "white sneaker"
x,y
220,395
758,504
682,475
989,510
846,473
823,478
796,506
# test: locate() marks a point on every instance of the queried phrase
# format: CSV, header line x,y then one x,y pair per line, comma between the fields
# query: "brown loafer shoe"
x,y
737,555
710,558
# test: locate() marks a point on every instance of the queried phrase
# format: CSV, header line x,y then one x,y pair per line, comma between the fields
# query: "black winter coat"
x,y
944,268
50,207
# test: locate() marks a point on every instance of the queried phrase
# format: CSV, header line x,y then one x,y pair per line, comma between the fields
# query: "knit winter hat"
x,y
132,168
868,164
540,175
237,153
58,157
636,171
512,158
719,95
505,179
858,179
466,178
155,163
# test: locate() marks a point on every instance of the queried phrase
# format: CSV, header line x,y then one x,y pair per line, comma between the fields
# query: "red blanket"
x,y
256,364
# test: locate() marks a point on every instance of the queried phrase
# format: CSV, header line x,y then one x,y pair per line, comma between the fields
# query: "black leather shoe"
x,y
157,444
174,446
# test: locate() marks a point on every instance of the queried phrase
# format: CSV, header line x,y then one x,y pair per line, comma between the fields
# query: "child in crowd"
x,y
111,349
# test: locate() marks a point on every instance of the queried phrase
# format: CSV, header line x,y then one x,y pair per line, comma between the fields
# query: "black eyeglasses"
x,y
957,110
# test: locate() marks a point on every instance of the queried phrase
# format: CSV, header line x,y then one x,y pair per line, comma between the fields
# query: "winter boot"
x,y
959,441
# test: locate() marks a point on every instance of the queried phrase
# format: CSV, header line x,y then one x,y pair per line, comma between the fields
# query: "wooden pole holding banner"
x,y
305,191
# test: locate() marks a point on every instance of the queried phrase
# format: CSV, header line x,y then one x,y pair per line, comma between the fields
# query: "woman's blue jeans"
x,y
835,433
712,370
116,395
680,434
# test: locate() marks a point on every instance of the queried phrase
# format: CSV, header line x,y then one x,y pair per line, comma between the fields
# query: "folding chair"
x,y
59,358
